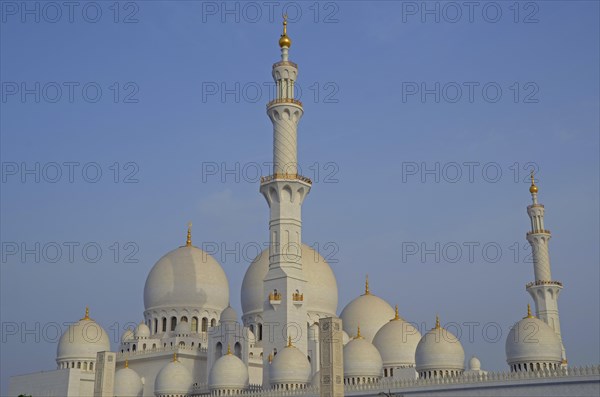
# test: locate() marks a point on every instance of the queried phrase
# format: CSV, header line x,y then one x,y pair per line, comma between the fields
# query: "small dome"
x,y
189,278
229,315
228,372
290,366
397,342
82,340
142,331
361,358
474,364
320,294
173,379
128,383
345,337
532,340
368,312
439,349
183,328
127,336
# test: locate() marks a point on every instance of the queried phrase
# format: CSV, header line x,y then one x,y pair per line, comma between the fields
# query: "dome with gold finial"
x,y
173,380
439,353
284,40
186,278
290,367
367,311
397,342
228,373
362,359
128,383
82,341
531,344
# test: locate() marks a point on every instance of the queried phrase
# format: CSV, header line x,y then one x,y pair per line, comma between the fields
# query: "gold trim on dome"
x,y
529,315
126,363
188,241
533,188
290,342
437,322
229,349
396,314
358,335
87,314
367,292
284,40
175,357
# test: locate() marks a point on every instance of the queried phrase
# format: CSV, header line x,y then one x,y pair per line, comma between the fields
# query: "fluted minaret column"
x,y
284,284
543,290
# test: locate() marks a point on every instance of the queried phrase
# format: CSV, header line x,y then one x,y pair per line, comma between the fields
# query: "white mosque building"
x,y
289,340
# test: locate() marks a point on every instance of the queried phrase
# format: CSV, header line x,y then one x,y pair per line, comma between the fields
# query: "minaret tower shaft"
x,y
284,284
543,290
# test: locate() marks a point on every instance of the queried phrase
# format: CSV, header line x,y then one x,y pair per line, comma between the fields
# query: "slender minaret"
x,y
285,190
543,290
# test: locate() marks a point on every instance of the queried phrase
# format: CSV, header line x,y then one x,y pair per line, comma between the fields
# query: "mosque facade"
x,y
289,339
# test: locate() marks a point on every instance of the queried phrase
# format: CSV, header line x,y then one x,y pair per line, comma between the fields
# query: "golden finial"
x,y
87,313
270,358
437,322
533,188
284,40
126,363
358,335
396,315
289,341
529,315
188,242
367,292
228,349
174,357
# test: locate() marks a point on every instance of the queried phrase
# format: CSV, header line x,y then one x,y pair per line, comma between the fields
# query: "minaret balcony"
x,y
298,299
284,101
540,231
269,178
285,63
543,282
275,299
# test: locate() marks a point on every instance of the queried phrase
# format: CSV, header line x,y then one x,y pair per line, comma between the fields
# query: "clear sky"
x,y
421,124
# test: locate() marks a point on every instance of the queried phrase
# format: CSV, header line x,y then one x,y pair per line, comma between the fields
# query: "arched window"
x,y
182,344
154,346
213,322
144,347
91,366
252,328
78,364
194,324
260,334
164,324
184,318
155,325
237,350
133,347
173,323
218,350
205,324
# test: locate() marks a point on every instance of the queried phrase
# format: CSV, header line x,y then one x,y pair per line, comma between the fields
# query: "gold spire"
x,y
188,242
437,322
396,315
367,292
533,188
289,341
529,315
174,357
87,313
228,349
284,40
358,335
126,363
270,358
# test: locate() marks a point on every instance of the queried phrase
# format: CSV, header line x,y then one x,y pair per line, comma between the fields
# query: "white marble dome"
x,y
183,328
174,379
532,341
81,341
128,335
368,312
228,315
228,373
186,277
362,359
128,383
397,342
290,366
474,364
320,295
142,331
439,349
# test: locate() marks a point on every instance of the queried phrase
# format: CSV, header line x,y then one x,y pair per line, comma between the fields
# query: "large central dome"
x,y
186,277
321,294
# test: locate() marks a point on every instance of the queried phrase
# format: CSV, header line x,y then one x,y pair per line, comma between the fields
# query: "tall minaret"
x,y
285,190
543,290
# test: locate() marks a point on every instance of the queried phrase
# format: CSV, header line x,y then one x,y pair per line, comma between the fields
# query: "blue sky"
x,y
180,90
